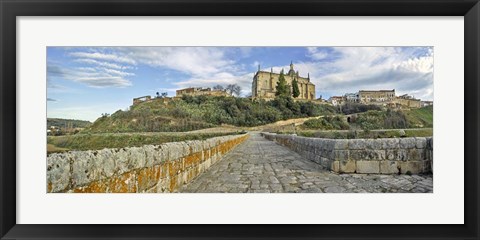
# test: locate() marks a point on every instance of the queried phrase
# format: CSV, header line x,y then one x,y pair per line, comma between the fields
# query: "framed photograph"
x,y
224,119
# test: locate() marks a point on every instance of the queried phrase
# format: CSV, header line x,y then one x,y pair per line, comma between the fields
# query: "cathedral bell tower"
x,y
291,72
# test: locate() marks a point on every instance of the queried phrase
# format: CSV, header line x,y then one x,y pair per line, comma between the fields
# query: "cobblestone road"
x,y
262,166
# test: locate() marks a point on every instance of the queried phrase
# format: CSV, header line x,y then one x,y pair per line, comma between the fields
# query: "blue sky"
x,y
84,82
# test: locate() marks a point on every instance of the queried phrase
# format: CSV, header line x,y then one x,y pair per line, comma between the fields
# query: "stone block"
x,y
160,154
82,168
426,166
104,164
58,172
341,155
374,144
150,155
413,167
389,167
421,142
325,162
368,166
175,150
148,178
124,183
335,166
121,161
367,154
348,166
341,144
377,154
357,154
407,143
391,154
396,154
136,157
356,144
415,154
401,155
390,143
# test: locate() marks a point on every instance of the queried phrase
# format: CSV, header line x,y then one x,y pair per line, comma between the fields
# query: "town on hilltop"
x,y
265,83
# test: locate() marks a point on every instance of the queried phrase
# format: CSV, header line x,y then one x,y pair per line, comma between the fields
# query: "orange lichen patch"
x,y
94,187
174,167
163,170
190,175
173,183
193,159
49,187
206,154
148,177
124,183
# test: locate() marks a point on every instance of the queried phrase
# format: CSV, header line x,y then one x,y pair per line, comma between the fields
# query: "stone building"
x,y
198,91
141,99
376,96
407,101
351,97
337,100
264,84
427,103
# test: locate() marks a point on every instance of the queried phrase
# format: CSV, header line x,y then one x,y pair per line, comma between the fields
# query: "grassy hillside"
x,y
70,123
392,119
119,140
339,134
421,117
192,113
376,119
327,123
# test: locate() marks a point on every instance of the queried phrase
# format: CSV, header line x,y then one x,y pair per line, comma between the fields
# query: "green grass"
x,y
427,132
326,123
193,113
421,117
108,140
71,123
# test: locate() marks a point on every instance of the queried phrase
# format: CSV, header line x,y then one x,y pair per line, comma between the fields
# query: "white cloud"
x,y
374,68
103,56
316,54
102,64
117,72
95,78
196,61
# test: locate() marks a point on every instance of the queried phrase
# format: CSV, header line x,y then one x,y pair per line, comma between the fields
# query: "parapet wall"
x,y
150,168
381,156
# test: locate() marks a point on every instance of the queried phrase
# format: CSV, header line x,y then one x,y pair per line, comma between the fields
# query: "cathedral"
x,y
264,84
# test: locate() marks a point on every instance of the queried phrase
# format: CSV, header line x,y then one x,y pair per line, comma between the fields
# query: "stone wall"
x,y
381,156
150,168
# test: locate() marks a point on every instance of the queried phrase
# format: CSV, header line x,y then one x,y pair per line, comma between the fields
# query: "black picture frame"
x,y
10,9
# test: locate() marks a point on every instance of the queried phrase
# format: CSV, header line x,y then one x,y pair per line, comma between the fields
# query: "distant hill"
x,y
199,112
69,123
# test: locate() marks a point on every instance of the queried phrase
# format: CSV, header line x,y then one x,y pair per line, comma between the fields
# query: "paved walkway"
x,y
262,166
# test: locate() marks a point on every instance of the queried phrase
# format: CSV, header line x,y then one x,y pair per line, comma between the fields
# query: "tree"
x,y
164,94
218,87
158,94
283,89
296,91
233,89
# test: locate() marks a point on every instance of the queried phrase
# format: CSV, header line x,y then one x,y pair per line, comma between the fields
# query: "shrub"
x,y
327,123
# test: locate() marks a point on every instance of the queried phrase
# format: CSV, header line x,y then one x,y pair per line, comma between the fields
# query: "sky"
x,y
84,82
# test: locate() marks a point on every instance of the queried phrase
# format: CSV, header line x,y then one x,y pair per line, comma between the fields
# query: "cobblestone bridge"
x,y
260,166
